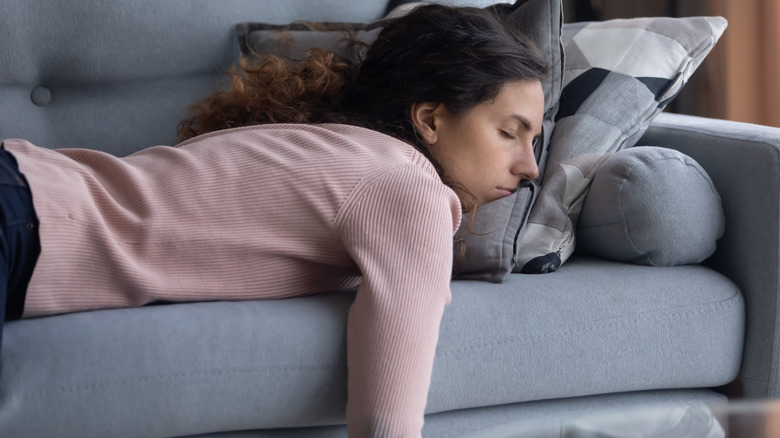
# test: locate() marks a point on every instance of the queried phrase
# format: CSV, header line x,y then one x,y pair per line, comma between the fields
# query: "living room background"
x,y
738,80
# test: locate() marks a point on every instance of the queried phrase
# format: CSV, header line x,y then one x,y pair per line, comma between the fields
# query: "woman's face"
x,y
489,149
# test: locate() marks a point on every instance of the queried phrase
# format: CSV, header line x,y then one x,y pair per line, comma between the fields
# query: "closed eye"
x,y
508,135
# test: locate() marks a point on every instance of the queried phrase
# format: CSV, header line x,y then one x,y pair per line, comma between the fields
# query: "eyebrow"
x,y
526,124
523,120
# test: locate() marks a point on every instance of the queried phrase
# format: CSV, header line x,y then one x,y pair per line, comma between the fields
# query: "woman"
x,y
301,179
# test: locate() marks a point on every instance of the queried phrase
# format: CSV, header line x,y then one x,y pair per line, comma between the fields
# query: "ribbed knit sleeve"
x,y
399,231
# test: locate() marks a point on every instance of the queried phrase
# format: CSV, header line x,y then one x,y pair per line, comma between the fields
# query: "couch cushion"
x,y
118,74
660,414
593,327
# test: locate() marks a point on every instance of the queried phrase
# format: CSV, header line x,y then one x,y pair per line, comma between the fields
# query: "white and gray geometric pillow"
x,y
618,76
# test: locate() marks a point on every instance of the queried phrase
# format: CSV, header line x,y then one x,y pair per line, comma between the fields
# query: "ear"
x,y
424,117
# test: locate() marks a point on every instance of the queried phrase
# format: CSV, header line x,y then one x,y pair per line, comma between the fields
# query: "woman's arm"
x,y
399,232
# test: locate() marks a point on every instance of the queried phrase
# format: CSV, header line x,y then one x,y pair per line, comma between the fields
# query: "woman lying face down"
x,y
301,178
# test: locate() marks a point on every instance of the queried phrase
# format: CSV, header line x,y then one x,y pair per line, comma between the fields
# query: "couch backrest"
x,y
116,75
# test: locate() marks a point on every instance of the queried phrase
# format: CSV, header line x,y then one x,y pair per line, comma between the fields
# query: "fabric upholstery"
x,y
674,412
743,161
653,206
619,75
208,367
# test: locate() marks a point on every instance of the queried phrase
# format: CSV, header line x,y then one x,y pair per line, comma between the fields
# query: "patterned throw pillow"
x,y
619,75
486,244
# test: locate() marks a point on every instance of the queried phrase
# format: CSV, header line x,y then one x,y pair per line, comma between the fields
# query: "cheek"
x,y
454,152
468,162
490,159
476,169
468,156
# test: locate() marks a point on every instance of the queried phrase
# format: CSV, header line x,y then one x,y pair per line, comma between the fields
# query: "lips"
x,y
506,191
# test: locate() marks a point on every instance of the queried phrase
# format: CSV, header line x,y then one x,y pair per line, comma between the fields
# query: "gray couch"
x,y
593,337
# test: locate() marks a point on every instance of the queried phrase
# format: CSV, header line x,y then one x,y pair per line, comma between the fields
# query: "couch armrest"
x,y
743,160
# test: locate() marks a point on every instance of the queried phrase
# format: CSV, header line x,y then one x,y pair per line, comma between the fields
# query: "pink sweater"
x,y
260,212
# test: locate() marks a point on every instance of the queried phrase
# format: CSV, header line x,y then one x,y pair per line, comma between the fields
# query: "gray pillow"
x,y
651,206
486,243
292,41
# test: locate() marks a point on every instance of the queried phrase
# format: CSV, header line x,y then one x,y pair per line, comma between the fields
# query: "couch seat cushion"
x,y
593,327
171,370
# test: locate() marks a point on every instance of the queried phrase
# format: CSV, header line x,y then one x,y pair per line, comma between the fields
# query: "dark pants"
x,y
19,241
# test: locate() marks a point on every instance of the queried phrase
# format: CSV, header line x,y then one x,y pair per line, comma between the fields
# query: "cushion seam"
x,y
614,322
128,381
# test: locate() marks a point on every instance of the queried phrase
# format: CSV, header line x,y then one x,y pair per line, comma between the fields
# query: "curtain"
x,y
749,60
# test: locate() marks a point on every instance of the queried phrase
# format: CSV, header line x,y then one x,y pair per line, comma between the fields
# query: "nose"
x,y
525,165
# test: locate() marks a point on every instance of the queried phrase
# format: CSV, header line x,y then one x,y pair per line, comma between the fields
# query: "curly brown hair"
x,y
273,90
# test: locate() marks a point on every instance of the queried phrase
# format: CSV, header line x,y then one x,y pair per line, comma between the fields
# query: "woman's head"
x,y
432,77
457,59
486,151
